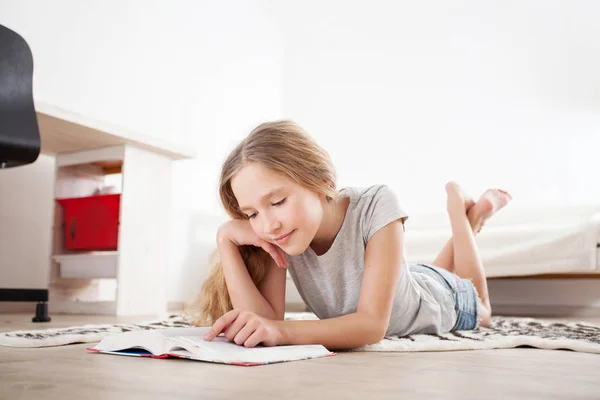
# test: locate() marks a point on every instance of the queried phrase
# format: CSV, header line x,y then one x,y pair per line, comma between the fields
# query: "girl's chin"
x,y
294,250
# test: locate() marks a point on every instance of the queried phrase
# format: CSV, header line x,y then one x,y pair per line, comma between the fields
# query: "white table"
x,y
85,151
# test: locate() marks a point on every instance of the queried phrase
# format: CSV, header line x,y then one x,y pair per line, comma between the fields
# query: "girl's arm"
x,y
383,258
243,292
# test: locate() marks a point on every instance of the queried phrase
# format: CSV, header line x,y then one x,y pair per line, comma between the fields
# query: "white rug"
x,y
502,334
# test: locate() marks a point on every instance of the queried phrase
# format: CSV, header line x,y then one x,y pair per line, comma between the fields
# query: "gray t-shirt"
x,y
330,283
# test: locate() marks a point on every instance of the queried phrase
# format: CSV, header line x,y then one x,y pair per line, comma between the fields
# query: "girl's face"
x,y
280,211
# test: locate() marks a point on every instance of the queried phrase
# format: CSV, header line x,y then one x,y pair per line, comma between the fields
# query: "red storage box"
x,y
92,223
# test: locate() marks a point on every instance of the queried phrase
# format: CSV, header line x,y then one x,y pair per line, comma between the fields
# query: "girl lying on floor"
x,y
344,250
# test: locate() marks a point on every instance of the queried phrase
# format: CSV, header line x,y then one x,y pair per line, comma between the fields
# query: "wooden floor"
x,y
70,372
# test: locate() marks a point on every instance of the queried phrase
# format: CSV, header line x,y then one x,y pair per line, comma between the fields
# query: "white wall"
x,y
201,73
488,93
412,94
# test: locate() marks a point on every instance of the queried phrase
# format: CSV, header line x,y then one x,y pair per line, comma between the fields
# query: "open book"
x,y
189,343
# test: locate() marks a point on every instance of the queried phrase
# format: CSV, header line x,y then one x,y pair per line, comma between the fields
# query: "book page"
x,y
147,340
192,339
221,349
173,340
218,344
192,332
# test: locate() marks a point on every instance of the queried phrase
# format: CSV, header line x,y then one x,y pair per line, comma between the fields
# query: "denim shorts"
x,y
466,300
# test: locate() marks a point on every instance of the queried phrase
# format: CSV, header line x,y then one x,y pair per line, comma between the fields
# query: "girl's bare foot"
x,y
466,200
469,202
457,198
490,202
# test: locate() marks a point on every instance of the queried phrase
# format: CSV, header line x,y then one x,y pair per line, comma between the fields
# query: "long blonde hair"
x,y
286,148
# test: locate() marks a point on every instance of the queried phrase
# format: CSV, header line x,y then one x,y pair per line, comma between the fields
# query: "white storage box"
x,y
88,265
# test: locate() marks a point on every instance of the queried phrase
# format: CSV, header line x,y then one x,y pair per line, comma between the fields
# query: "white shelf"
x,y
62,131
89,265
85,151
85,255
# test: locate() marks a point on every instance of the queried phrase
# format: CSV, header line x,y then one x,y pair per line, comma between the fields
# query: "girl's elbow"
x,y
376,334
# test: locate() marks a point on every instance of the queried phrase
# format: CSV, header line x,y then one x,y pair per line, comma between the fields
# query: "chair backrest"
x,y
19,133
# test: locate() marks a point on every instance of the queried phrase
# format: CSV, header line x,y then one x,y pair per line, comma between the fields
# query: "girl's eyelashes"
x,y
277,204
281,202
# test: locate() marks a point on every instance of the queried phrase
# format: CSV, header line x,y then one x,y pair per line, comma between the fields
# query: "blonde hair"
x,y
284,147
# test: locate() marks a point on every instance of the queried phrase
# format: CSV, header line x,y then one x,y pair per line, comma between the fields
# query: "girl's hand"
x,y
246,328
239,232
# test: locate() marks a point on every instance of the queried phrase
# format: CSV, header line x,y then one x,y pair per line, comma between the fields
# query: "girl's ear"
x,y
322,196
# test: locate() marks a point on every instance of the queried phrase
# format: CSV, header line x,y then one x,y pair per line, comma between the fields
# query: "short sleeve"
x,y
381,208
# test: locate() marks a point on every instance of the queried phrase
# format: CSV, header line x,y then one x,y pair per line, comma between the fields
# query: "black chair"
x,y
19,134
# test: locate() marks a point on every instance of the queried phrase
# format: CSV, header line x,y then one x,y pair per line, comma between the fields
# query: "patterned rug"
x,y
503,333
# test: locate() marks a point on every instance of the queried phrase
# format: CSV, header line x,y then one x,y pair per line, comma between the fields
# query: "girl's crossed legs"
x,y
460,254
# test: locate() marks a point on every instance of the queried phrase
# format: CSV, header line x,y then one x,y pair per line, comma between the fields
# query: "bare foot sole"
x,y
490,202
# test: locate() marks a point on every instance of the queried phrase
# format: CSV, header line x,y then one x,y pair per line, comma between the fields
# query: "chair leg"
x,y
41,312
